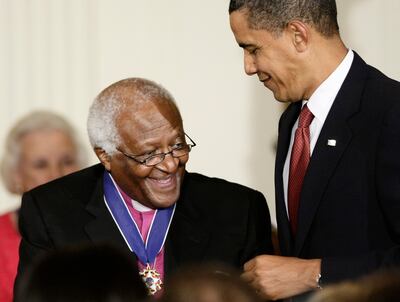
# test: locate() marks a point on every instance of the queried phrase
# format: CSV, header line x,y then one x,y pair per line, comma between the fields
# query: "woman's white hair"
x,y
105,110
34,121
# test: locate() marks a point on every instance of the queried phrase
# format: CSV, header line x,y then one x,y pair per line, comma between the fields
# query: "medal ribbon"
x,y
146,252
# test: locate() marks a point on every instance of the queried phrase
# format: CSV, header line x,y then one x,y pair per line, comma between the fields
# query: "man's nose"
x,y
169,164
249,65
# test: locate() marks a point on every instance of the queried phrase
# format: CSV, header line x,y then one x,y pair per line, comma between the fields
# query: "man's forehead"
x,y
151,109
150,120
240,28
236,19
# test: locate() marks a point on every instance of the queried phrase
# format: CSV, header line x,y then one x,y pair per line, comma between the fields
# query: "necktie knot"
x,y
305,117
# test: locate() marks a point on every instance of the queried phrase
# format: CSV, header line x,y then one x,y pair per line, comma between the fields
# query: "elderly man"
x,y
141,193
337,172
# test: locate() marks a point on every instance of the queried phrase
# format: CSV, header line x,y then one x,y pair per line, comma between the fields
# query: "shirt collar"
x,y
139,207
323,97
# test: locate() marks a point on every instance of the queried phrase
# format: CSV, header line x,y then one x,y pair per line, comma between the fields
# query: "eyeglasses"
x,y
177,150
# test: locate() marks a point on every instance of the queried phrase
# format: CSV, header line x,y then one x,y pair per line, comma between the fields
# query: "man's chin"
x,y
283,100
164,201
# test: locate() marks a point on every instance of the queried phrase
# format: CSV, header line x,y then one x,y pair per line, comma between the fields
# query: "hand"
x,y
276,277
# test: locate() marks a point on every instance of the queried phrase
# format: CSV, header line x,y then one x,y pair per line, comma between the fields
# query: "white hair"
x,y
35,121
107,106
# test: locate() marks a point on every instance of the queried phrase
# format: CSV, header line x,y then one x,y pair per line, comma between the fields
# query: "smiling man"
x,y
337,179
141,197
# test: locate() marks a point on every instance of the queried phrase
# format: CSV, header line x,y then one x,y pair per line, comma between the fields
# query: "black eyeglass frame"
x,y
161,155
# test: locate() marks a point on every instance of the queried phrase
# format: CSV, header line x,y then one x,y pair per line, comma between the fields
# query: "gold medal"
x,y
151,279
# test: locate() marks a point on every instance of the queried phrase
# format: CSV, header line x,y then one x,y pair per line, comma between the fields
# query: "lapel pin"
x,y
331,142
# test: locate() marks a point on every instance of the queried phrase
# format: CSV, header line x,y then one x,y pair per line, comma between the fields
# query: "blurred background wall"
x,y
58,54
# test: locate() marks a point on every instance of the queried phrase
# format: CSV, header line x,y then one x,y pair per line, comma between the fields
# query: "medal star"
x,y
151,279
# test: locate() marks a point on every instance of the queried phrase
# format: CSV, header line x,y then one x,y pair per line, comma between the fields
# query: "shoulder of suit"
x,y
203,193
78,182
381,92
215,182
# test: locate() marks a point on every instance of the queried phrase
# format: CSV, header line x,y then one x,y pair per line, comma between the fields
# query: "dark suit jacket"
x,y
350,201
214,220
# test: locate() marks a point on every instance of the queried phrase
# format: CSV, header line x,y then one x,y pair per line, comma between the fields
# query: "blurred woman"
x,y
40,147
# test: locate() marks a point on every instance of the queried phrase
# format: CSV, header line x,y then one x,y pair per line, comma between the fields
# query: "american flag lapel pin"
x,y
331,142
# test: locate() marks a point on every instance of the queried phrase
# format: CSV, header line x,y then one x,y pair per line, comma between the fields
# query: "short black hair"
x,y
274,15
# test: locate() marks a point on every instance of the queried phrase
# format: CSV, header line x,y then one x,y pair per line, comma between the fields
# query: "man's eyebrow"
x,y
245,45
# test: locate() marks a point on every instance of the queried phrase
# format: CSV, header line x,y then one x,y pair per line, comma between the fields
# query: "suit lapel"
x,y
285,128
102,227
186,242
187,239
325,158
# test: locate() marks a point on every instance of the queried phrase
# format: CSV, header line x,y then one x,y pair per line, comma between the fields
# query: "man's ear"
x,y
104,158
300,35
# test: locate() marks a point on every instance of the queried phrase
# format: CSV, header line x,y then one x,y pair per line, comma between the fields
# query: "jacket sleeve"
x,y
259,239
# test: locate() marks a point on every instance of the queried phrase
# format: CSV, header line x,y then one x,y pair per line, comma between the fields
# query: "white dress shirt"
x,y
319,104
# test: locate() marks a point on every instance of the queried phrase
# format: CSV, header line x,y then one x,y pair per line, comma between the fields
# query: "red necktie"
x,y
298,164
